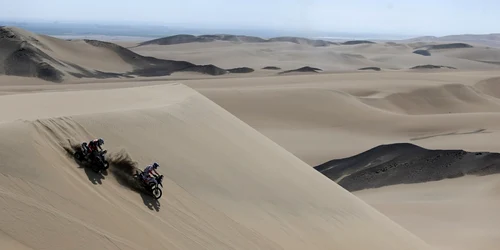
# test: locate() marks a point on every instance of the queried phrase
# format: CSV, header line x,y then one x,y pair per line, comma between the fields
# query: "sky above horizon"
x,y
423,17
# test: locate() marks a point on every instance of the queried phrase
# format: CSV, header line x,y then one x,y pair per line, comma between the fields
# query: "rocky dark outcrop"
x,y
430,66
370,68
404,163
271,68
241,70
355,42
303,69
422,52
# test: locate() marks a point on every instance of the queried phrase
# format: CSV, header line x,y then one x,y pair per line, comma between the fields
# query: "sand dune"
x,y
490,86
474,54
449,98
260,196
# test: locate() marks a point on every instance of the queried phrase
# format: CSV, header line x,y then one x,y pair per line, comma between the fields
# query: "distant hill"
x,y
355,42
183,38
492,40
447,46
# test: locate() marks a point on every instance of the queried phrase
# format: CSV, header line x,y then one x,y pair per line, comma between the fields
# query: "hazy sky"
x,y
429,17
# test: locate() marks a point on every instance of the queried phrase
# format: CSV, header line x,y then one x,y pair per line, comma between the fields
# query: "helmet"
x,y
100,141
155,165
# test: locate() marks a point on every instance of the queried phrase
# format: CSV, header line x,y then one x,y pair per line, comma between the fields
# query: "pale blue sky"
x,y
431,17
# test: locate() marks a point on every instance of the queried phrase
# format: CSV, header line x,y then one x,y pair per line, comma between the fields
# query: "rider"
x,y
150,169
94,144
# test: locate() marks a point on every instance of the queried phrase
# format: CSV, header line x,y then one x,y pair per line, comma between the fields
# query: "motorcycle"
x,y
152,187
98,162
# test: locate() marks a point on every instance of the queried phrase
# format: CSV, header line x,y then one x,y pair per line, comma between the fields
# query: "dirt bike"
x,y
98,160
152,188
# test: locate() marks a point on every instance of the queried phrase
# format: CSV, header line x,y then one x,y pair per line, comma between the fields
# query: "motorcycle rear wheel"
x,y
78,156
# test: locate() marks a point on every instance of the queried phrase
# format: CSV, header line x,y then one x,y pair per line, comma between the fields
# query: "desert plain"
x,y
285,143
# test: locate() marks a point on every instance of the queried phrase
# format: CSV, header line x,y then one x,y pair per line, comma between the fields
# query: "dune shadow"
x,y
150,202
95,178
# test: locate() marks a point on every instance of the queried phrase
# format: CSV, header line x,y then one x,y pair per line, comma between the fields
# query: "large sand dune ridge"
x,y
226,187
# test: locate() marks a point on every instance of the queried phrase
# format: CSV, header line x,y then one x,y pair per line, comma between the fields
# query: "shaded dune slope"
x,y
406,163
226,185
20,57
26,54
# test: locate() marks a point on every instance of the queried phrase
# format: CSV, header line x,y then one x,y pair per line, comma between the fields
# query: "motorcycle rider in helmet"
x,y
94,145
146,174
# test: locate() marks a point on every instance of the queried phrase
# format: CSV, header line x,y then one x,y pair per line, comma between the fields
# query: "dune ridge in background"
x,y
312,116
51,59
259,196
482,39
26,54
348,56
183,38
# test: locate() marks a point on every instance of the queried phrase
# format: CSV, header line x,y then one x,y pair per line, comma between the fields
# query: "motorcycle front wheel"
x,y
157,193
